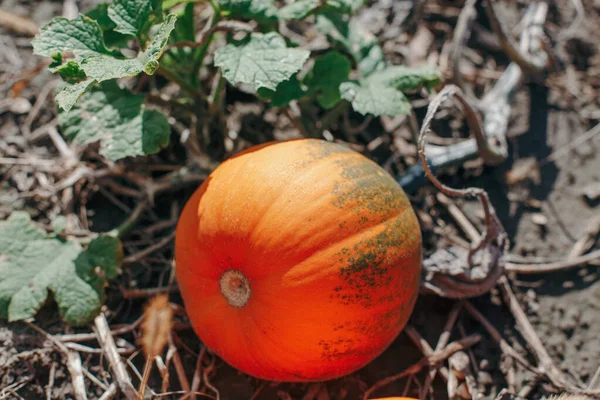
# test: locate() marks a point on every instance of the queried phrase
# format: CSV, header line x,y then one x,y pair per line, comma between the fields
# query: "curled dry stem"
x,y
485,258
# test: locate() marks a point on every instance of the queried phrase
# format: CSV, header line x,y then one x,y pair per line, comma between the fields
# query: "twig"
x,y
50,381
179,369
460,217
197,379
495,107
73,363
92,378
149,250
205,373
592,230
18,24
504,346
485,263
83,337
131,221
461,35
552,267
109,393
442,342
584,137
130,294
527,65
545,362
433,359
107,342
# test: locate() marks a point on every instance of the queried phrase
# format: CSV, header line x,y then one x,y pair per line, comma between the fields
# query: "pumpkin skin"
x,y
298,260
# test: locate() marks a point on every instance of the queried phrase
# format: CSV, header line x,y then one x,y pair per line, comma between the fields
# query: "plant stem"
x,y
217,96
130,222
200,52
172,76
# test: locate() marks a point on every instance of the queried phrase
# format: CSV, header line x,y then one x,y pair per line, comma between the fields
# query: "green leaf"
x,y
133,17
69,95
102,68
70,72
329,71
112,38
354,40
121,123
32,264
167,4
298,9
376,99
59,224
406,78
285,92
345,6
262,11
260,60
81,35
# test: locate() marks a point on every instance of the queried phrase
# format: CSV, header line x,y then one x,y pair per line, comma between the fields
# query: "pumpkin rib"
x,y
298,181
352,236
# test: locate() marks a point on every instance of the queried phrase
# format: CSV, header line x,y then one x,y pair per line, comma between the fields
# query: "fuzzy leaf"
x,y
285,92
133,17
298,9
70,72
260,60
102,68
32,264
376,99
353,39
262,11
118,119
406,78
329,71
345,6
81,35
112,38
69,95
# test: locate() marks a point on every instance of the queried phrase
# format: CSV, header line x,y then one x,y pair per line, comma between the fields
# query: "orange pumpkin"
x,y
298,260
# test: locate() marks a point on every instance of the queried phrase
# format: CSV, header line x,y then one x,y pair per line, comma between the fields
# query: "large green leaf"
x,y
406,78
120,122
133,17
329,71
112,38
101,67
81,35
33,264
376,99
353,39
260,60
262,11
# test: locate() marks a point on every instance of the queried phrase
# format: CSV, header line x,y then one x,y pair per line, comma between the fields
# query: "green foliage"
x,y
121,122
134,17
328,73
260,60
262,11
33,264
381,93
129,38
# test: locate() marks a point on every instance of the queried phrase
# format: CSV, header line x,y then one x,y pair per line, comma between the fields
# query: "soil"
x,y
544,214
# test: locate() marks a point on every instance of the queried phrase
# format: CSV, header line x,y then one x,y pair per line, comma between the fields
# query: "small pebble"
x,y
568,284
20,106
539,219
484,378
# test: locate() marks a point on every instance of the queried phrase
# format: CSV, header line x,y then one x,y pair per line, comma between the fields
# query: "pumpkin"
x,y
298,260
